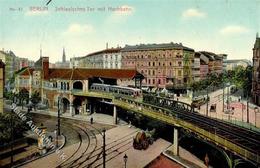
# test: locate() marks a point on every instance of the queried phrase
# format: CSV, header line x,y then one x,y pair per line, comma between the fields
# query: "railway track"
x,y
250,140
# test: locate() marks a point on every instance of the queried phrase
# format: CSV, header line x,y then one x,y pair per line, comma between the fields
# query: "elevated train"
x,y
121,90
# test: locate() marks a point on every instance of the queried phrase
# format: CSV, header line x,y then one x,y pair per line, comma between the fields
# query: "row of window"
x,y
152,81
134,56
152,63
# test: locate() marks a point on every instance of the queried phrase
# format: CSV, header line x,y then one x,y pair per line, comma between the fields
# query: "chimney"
x,y
45,67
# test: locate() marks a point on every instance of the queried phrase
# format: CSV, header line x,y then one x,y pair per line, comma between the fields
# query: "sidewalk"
x,y
97,117
185,158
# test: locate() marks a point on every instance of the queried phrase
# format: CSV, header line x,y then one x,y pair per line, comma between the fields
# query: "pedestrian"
x,y
91,120
130,125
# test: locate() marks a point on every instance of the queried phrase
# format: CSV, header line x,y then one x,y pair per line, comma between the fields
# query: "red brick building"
x,y
256,72
55,83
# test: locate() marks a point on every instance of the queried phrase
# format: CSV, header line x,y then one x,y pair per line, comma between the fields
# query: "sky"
x,y
222,26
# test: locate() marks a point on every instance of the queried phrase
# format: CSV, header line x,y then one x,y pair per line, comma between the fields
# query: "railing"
x,y
170,117
101,94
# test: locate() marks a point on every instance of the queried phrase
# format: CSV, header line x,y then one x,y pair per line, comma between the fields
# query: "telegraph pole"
x,y
247,109
207,111
223,102
104,148
12,138
58,123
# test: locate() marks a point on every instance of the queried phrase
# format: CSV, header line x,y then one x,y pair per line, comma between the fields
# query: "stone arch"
x,y
65,105
78,85
77,103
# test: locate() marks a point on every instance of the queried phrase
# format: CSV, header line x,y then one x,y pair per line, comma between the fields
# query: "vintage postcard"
x,y
129,83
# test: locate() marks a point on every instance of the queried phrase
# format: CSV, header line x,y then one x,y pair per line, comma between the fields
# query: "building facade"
x,y
196,68
210,63
163,65
232,64
25,62
104,59
256,72
67,83
13,64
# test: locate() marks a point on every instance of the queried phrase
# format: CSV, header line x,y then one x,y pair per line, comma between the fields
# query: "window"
x,y
159,81
170,63
179,72
179,63
149,63
159,64
153,81
153,63
153,72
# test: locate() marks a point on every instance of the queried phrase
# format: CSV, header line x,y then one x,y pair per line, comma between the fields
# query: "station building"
x,y
62,84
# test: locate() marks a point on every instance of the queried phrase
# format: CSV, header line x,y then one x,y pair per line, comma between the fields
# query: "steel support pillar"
x,y
175,142
71,109
115,114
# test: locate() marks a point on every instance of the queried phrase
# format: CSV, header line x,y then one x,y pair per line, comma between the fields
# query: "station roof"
x,y
26,71
83,73
80,73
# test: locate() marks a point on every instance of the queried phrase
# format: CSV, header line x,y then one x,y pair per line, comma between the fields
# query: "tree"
x,y
35,99
19,127
23,95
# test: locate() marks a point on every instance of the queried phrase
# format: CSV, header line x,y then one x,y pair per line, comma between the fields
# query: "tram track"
x,y
95,155
92,152
83,135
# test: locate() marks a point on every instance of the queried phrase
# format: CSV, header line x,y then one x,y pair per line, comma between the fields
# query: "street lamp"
x,y
256,111
58,122
104,147
12,131
125,159
59,101
207,110
12,138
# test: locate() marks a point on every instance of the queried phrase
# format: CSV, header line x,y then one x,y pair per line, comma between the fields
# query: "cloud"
x,y
78,29
193,13
233,30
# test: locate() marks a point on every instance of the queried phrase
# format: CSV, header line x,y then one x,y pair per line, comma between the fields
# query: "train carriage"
x,y
121,90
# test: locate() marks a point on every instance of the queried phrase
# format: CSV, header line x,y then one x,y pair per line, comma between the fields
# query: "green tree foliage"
x,y
5,127
35,98
23,95
240,76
